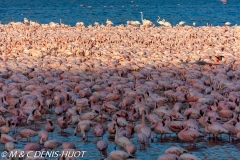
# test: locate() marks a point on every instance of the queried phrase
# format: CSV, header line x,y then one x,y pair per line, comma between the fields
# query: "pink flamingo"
x,y
190,135
102,147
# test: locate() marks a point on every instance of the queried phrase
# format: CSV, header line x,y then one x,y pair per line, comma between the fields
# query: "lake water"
x,y
206,149
214,12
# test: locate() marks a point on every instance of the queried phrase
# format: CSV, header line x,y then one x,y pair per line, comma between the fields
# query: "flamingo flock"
x,y
127,86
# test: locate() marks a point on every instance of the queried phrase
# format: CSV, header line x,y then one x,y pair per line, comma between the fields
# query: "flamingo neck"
x,y
143,119
83,133
8,124
204,115
146,112
141,16
154,126
237,102
50,123
101,118
116,134
233,118
186,128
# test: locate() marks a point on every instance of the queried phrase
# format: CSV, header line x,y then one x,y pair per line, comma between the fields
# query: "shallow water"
x,y
72,11
206,148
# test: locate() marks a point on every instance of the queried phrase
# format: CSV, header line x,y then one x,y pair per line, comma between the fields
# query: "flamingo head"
x,y
209,120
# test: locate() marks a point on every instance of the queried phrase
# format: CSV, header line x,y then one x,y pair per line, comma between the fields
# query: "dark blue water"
x,y
120,11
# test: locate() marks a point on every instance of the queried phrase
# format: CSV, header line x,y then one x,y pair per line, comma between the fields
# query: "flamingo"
x,y
160,128
120,155
63,122
190,122
25,21
34,116
175,150
227,23
125,133
152,118
175,126
190,135
109,23
214,128
81,24
6,129
181,23
96,24
142,139
84,127
145,22
42,136
26,133
33,147
4,138
186,156
163,22
99,129
49,127
102,147
121,122
120,141
111,128
169,157
52,144
143,128
68,145
9,146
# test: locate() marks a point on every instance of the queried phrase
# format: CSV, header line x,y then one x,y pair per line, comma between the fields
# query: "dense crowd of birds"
x,y
133,81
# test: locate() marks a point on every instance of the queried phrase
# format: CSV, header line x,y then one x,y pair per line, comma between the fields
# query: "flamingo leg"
x,y
194,144
15,130
61,132
100,154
